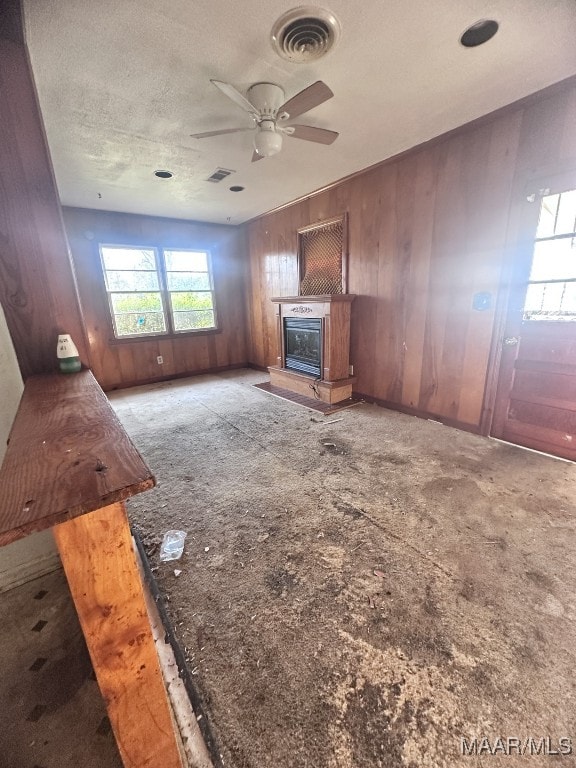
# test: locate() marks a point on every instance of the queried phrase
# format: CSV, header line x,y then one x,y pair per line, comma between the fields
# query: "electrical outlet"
x,y
159,359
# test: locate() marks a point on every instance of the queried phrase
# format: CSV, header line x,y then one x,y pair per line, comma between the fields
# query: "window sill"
x,y
113,341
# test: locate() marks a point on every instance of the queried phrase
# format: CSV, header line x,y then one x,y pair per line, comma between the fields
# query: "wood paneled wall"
x,y
123,363
37,286
427,231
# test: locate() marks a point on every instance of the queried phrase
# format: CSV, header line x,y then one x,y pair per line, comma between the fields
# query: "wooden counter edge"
x,y
17,467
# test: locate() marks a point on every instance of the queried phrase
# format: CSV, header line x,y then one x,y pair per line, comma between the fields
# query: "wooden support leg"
x,y
99,562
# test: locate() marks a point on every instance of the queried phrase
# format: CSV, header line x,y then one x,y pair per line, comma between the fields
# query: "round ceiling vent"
x,y
305,34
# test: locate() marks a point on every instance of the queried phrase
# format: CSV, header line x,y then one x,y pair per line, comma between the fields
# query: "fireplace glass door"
x,y
303,345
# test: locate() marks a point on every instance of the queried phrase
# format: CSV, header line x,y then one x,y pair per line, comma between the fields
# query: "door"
x,y
536,395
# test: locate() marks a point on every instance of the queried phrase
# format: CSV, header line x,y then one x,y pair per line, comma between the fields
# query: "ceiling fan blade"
x,y
236,96
310,97
206,134
256,156
309,133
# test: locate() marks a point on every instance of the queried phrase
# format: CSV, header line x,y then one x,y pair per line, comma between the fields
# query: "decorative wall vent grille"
x,y
322,258
219,175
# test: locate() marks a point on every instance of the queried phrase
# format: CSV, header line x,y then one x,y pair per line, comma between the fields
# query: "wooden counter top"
x,y
67,455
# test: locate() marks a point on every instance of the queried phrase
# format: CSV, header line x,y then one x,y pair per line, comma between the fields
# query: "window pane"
x,y
186,261
191,300
566,220
190,321
550,301
554,260
131,281
557,215
136,302
548,209
128,258
138,296
188,281
145,322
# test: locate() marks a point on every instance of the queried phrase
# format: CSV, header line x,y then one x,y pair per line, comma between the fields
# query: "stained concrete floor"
x,y
363,590
53,715
354,593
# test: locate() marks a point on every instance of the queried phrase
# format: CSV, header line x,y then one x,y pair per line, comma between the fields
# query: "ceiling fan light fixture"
x,y
267,107
267,142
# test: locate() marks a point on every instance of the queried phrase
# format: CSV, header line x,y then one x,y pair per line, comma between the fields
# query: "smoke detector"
x,y
305,34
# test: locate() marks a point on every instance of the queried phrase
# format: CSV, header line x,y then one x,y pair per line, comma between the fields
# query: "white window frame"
x,y
165,293
532,316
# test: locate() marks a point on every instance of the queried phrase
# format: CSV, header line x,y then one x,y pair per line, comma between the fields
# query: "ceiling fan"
x,y
270,113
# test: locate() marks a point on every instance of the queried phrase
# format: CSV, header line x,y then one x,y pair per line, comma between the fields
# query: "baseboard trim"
x,y
160,379
391,406
256,367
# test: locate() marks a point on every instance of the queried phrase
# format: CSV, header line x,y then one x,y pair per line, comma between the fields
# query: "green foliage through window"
x,y
158,291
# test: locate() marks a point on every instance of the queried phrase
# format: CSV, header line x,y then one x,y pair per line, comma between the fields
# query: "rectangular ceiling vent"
x,y
219,174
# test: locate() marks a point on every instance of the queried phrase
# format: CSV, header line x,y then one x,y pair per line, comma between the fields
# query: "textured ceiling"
x,y
123,84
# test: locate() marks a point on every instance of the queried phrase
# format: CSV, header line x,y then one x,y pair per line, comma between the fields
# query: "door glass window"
x,y
551,290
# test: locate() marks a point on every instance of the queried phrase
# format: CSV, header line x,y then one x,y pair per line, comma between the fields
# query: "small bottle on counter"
x,y
67,353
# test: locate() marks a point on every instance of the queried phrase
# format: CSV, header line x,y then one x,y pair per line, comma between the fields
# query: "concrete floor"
x,y
358,591
53,715
418,590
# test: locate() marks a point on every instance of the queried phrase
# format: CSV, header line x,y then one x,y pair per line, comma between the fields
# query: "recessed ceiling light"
x,y
236,189
163,174
479,33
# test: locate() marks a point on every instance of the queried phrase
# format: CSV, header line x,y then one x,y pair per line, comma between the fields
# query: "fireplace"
x,y
313,342
303,345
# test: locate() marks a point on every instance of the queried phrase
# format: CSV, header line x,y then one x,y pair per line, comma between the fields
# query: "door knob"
x,y
510,341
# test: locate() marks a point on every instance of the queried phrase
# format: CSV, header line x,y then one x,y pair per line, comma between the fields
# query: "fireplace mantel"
x,y
335,383
327,298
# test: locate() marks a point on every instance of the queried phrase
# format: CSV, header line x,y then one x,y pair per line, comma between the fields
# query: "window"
x,y
158,291
551,292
